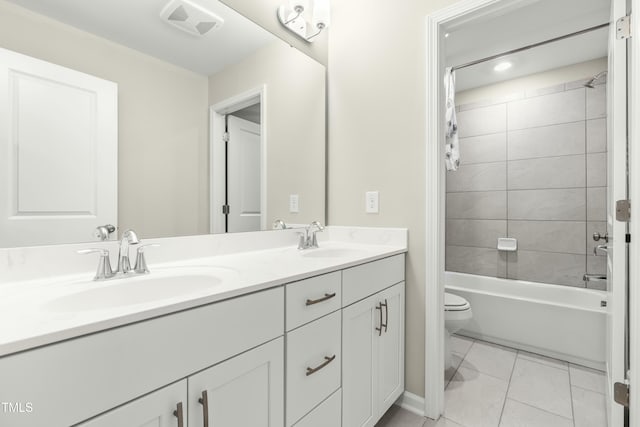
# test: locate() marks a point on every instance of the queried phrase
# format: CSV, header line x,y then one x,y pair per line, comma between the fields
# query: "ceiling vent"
x,y
190,17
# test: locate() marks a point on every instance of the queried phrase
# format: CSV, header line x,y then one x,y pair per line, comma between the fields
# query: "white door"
x,y
243,175
58,152
391,347
162,408
617,189
247,390
359,363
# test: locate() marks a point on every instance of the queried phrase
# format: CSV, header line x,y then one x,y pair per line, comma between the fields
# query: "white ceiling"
x,y
137,24
521,23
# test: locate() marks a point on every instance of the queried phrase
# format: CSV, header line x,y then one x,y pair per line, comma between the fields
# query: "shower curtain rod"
x,y
531,46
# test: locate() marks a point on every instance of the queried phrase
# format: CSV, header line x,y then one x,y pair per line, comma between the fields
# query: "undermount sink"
x,y
160,284
331,252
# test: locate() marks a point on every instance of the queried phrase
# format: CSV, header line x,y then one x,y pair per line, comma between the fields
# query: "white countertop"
x,y
30,318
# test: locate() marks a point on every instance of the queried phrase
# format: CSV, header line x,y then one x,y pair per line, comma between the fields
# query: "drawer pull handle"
x,y
324,298
179,414
327,360
204,401
386,315
379,307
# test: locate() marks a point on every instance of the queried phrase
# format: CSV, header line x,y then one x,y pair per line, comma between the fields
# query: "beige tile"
x,y
547,141
473,399
597,204
483,149
547,267
588,408
597,170
542,386
398,417
477,205
547,172
532,357
597,102
518,414
490,359
558,204
482,121
589,379
549,236
482,261
596,136
562,107
478,177
442,422
475,232
461,345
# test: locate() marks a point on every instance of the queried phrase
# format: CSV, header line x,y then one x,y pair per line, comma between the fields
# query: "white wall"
x,y
377,135
162,114
264,13
582,70
295,125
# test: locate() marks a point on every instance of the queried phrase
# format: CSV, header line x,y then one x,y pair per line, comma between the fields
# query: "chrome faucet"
x,y
603,248
129,237
279,224
308,238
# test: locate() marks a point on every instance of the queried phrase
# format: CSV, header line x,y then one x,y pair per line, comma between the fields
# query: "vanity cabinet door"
x,y
246,390
359,363
373,356
391,347
158,409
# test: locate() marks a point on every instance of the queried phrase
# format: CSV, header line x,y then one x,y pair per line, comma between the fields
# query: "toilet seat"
x,y
455,303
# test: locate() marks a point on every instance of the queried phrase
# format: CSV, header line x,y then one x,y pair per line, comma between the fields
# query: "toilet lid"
x,y
455,303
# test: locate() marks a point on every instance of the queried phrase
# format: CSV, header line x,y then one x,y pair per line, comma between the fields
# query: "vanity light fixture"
x,y
502,66
305,18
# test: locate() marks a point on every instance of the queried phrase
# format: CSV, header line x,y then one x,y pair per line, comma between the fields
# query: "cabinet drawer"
x,y
363,280
312,298
327,414
313,364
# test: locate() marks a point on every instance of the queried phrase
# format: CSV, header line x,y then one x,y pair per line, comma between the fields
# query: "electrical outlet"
x,y
294,203
372,202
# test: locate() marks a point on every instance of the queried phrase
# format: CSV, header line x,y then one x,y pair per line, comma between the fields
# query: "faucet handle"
x,y
141,262
104,270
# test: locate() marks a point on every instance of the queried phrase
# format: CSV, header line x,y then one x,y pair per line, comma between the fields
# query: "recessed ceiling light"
x,y
446,35
502,66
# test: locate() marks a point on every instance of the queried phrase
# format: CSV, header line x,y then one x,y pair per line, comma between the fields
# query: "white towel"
x,y
452,150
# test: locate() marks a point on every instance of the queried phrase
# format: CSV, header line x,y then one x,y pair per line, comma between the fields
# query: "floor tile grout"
x,y
506,394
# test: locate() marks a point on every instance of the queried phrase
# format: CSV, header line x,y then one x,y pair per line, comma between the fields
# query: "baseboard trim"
x,y
412,403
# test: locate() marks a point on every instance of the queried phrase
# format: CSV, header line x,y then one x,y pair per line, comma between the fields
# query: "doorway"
x,y
445,24
238,163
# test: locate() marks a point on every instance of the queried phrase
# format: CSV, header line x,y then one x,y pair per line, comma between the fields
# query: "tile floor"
x,y
495,386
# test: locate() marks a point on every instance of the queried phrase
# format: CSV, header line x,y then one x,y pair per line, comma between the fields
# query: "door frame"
x,y
459,14
634,226
217,169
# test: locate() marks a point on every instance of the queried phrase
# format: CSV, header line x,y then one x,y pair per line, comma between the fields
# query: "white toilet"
x,y
457,312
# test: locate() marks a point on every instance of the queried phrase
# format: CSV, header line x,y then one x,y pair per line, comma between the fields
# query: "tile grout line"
x,y
506,394
573,414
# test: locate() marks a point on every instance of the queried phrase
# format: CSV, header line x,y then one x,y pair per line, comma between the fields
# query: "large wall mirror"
x,y
169,117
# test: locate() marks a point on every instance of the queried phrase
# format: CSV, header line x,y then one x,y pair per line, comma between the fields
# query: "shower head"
x,y
591,83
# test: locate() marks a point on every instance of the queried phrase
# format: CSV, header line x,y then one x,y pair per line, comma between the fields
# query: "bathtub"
x,y
557,321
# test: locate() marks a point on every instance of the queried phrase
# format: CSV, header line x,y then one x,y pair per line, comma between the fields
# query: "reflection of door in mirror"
x,y
243,161
58,138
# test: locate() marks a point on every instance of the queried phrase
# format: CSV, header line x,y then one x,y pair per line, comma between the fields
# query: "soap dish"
x,y
507,244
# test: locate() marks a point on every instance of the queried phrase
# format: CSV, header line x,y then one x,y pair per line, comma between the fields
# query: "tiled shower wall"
x,y
533,167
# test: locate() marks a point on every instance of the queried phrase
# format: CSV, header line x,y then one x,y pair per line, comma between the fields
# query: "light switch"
x,y
294,205
372,202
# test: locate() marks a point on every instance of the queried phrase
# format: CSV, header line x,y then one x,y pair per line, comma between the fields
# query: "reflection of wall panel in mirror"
x,y
264,13
163,146
295,89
